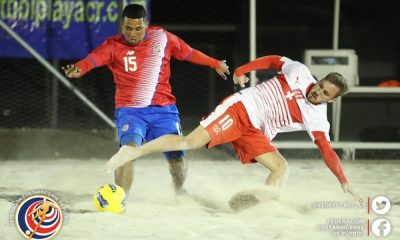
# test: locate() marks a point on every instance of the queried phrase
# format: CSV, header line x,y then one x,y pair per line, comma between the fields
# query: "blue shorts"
x,y
136,125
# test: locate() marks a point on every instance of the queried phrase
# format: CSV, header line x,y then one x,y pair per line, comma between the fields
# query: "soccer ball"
x,y
109,198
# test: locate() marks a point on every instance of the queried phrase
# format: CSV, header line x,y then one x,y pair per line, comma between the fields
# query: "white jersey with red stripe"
x,y
280,104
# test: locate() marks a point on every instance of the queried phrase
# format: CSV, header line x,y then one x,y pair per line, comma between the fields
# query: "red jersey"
x,y
142,71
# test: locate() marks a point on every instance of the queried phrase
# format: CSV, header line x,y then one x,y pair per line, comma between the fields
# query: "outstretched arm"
x,y
80,68
200,58
272,61
332,160
100,56
182,51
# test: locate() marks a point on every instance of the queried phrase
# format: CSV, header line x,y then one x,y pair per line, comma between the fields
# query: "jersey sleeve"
x,y
100,56
179,48
330,157
272,61
182,51
200,58
315,119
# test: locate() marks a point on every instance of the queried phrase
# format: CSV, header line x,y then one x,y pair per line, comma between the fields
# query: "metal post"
x,y
252,33
54,98
336,25
336,110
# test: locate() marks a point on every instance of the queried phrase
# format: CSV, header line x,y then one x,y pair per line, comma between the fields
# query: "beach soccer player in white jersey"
x,y
251,118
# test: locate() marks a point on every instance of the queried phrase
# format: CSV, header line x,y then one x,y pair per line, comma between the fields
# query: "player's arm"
x,y
271,61
200,58
332,160
101,56
330,157
182,51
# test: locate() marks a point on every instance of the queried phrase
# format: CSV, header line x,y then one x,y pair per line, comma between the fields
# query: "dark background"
x,y
220,28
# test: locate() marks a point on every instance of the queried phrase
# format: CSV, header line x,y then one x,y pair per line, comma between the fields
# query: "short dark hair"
x,y
338,80
134,11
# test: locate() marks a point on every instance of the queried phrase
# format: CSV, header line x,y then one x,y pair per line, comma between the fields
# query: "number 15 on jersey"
x,y
130,63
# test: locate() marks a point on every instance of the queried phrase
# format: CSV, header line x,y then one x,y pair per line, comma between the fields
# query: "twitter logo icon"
x,y
380,205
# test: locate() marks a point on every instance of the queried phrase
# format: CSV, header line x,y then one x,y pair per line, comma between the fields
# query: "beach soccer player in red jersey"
x,y
139,59
249,119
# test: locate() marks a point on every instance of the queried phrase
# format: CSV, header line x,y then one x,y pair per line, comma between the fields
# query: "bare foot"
x,y
125,154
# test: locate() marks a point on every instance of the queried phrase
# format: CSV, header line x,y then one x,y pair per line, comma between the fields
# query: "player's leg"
x,y
253,146
170,124
123,175
178,169
276,179
167,122
278,166
196,139
130,132
222,126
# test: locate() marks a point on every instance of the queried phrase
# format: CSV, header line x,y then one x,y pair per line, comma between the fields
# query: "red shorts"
x,y
230,123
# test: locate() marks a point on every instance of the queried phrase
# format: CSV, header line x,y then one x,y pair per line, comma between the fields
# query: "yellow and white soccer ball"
x,y
109,198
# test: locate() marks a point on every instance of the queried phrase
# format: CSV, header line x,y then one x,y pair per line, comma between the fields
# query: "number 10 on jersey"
x,y
130,63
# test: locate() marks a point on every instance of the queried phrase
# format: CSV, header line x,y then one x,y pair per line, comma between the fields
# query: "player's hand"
x,y
240,80
223,69
347,189
72,71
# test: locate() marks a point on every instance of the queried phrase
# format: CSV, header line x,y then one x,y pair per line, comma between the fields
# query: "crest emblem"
x,y
39,216
125,128
156,50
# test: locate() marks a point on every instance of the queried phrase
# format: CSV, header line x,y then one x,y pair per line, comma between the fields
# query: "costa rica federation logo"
x,y
156,50
39,216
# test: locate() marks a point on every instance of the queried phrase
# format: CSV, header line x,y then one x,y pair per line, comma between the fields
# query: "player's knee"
x,y
281,166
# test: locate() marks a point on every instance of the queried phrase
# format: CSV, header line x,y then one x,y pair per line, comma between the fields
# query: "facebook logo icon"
x,y
381,227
